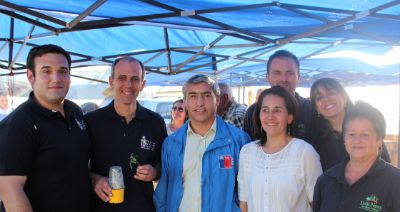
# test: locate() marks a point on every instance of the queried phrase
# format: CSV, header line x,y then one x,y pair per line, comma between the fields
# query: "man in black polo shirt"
x,y
44,147
283,69
128,135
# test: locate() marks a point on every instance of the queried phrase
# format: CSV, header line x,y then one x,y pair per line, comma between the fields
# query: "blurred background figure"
x,y
363,181
4,104
330,104
178,116
259,91
230,111
89,107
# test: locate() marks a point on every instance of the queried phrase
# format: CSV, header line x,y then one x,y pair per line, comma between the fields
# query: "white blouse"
x,y
280,182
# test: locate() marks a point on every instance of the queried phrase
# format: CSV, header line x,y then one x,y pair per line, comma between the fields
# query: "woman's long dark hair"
x,y
290,104
320,127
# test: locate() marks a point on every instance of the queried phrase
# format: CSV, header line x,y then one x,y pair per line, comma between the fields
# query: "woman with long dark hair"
x,y
330,104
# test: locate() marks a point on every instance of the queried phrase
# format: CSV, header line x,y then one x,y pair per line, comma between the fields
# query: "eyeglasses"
x,y
180,109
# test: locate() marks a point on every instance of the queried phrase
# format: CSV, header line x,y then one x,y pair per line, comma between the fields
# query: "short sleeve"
x,y
316,203
312,170
243,172
17,147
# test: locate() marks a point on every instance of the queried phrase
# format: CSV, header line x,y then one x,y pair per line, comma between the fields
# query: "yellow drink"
x,y
117,196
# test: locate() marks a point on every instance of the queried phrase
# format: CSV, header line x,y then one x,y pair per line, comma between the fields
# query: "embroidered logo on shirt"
x,y
146,144
225,162
81,124
370,204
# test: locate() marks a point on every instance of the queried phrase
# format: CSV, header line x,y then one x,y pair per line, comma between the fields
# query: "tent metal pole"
x,y
133,53
32,13
321,50
214,63
344,43
166,39
39,35
85,13
340,11
153,57
22,45
376,37
235,8
202,65
14,73
206,54
220,46
205,48
3,46
238,57
28,20
300,12
398,145
256,50
331,25
90,79
11,46
201,18
260,54
226,26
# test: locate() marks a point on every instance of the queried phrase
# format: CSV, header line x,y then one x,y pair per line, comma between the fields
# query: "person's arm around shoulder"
x,y
316,204
244,138
241,180
243,206
312,170
146,173
101,186
161,192
13,195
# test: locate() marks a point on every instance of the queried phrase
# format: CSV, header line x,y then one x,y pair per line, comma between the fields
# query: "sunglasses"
x,y
180,109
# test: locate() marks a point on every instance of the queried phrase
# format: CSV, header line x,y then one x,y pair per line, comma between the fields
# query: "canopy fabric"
x,y
229,39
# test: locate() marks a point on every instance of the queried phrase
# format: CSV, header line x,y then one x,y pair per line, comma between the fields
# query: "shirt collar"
x,y
212,129
36,106
338,171
140,111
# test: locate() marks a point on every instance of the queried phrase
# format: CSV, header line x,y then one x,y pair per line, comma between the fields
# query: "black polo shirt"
x,y
52,151
301,127
113,143
378,190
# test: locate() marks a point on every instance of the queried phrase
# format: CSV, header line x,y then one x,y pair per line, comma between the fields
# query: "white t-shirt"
x,y
280,182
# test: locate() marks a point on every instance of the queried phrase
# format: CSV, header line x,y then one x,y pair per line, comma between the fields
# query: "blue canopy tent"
x,y
229,39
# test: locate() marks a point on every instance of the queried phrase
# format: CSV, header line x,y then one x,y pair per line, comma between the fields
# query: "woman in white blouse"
x,y
277,172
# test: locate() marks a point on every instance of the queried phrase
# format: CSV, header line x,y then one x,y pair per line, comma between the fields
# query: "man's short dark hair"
x,y
284,54
39,51
129,59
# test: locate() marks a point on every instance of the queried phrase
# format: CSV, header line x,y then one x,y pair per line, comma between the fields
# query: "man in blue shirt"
x,y
200,160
